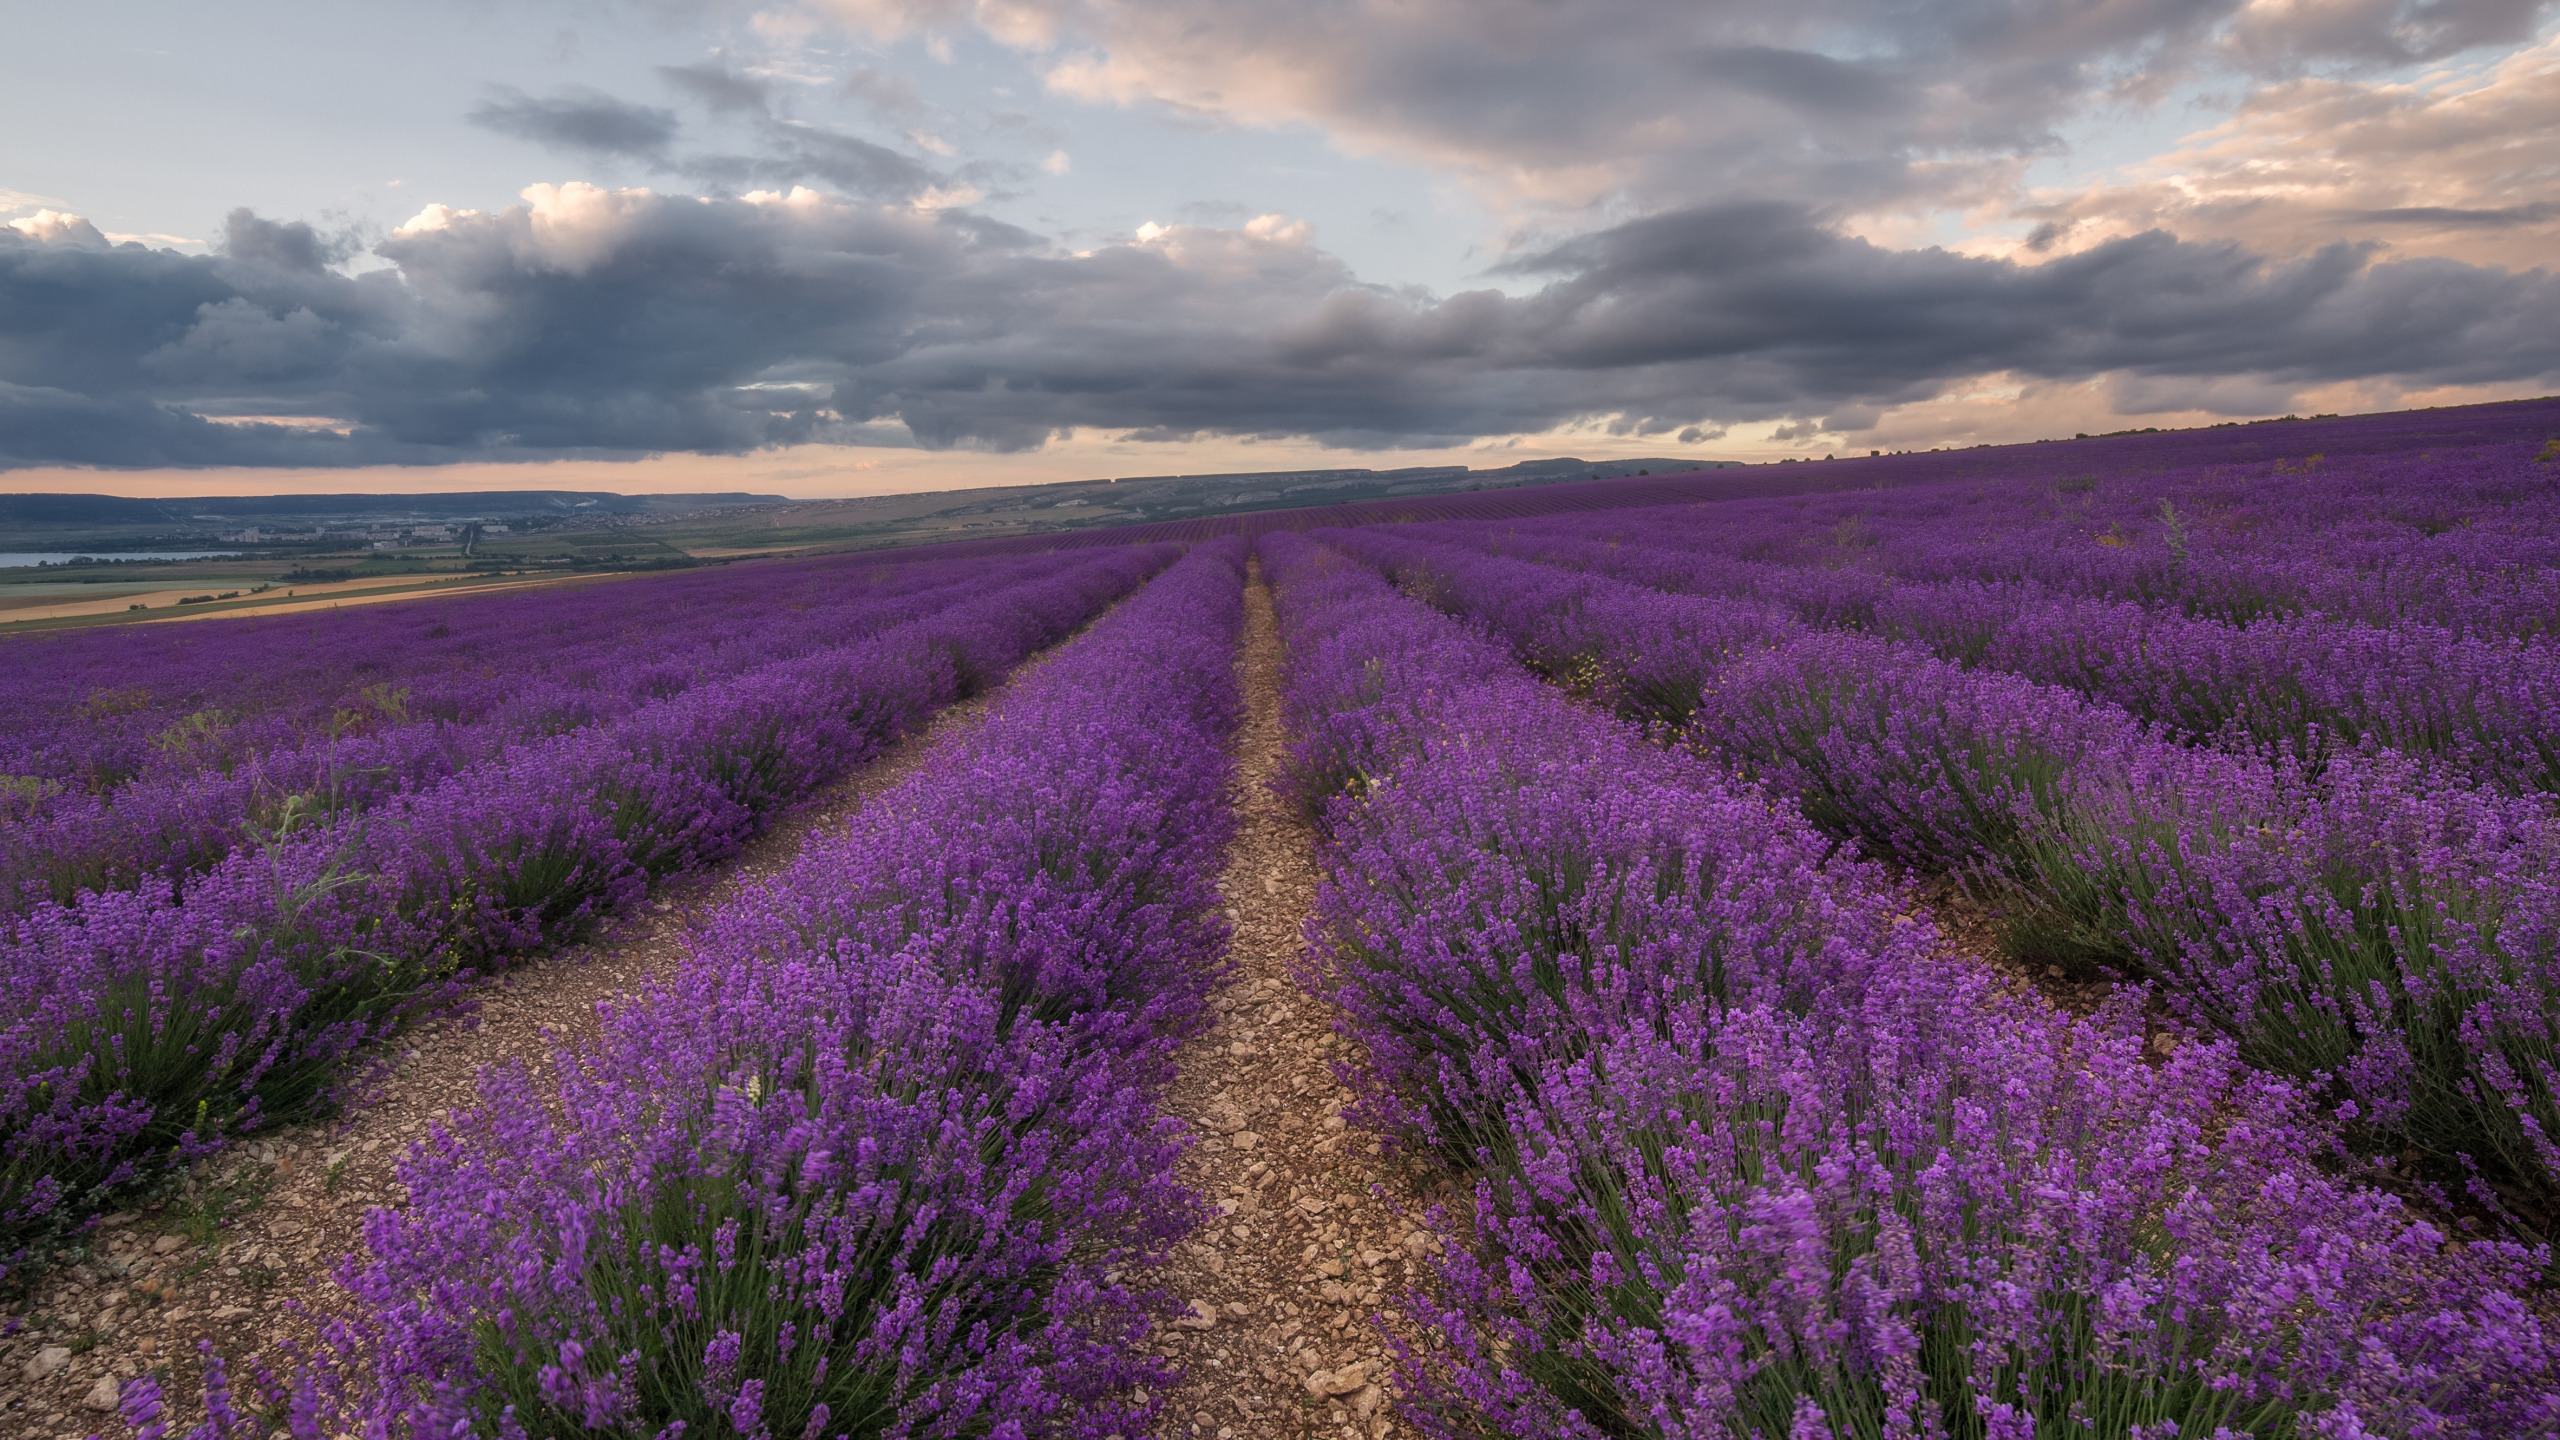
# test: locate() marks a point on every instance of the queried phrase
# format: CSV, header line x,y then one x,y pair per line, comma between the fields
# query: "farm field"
x,y
164,604
2051,942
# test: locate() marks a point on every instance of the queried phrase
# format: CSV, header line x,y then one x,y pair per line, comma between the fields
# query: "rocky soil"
x,y
1313,1240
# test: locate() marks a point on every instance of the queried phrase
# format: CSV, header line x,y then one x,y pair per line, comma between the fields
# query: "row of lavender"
x,y
262,724
1757,1161
886,1156
2518,429
2470,541
2447,678
144,1027
2369,925
90,702
2489,705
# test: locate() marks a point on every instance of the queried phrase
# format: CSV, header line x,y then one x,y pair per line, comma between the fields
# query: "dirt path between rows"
x,y
1310,1246
261,1228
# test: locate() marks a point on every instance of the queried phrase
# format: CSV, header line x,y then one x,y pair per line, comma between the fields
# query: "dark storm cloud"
x,y
1765,284
1698,319
599,322
580,119
295,245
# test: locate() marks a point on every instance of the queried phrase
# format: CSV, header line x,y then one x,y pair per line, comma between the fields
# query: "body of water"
x,y
12,559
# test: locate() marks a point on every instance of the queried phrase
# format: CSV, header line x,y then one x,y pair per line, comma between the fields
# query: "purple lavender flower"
x,y
1757,1161
886,1156
145,1024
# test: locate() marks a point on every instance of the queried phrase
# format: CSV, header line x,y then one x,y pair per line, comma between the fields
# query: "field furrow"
x,y
1314,1232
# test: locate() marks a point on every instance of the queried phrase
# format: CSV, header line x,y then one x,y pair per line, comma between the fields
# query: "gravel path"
x,y
243,1257
1281,1339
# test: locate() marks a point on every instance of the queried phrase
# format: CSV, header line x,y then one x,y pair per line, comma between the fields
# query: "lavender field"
x,y
2052,950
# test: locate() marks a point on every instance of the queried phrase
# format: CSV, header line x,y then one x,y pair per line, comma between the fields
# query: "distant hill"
x,y
734,522
2526,425
593,524
447,505
109,523
879,521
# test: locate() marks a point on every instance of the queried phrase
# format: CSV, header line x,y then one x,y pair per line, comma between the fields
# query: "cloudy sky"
x,y
841,246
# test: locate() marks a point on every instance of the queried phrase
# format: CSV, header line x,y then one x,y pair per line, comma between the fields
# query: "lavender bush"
x,y
1643,653
2298,682
885,1158
144,1027
2369,924
2365,922
2480,701
262,723
2461,539
1757,1164
94,707
2373,925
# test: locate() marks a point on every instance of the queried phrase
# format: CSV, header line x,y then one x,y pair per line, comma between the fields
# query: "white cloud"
x,y
436,216
568,228
2458,163
947,197
1280,230
53,227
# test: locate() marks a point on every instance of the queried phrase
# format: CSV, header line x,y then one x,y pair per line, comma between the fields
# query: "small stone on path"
x,y
46,1361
